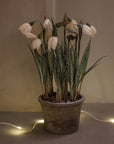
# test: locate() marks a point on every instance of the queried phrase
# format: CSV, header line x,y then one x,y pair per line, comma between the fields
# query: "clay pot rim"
x,y
69,103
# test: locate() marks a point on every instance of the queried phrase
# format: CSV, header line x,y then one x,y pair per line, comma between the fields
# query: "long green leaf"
x,y
37,65
90,68
81,68
84,59
35,59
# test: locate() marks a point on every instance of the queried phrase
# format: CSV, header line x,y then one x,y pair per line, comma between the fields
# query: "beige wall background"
x,y
19,81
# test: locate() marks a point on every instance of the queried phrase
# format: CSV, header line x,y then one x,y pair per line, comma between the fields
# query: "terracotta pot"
x,y
61,118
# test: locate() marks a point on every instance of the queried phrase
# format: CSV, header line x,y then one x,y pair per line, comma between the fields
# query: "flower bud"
x,y
86,30
25,28
52,43
48,25
72,26
89,30
36,43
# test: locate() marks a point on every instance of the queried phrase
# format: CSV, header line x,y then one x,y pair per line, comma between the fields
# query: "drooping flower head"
x,y
89,30
72,26
48,25
36,43
26,29
52,42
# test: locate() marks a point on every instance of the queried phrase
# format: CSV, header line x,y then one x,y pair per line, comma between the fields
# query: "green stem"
x,y
50,60
65,50
51,71
36,59
80,89
75,69
79,42
67,70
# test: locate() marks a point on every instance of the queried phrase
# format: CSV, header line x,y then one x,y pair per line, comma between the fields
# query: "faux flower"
x,y
31,35
47,24
25,28
52,43
72,26
36,43
89,30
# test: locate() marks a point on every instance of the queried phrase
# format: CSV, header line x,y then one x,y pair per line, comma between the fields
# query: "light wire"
x,y
82,111
92,116
10,124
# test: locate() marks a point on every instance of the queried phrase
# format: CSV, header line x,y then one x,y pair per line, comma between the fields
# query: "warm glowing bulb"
x,y
41,121
112,120
19,127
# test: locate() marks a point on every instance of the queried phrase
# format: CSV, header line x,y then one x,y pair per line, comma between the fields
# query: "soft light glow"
x,y
40,121
16,132
10,124
19,127
19,130
111,120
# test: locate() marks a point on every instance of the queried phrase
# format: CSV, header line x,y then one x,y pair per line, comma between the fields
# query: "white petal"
x,y
31,35
49,43
36,43
54,43
25,28
48,25
93,30
46,22
87,30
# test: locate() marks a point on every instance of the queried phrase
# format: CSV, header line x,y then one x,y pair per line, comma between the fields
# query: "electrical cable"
x,y
95,118
42,121
10,124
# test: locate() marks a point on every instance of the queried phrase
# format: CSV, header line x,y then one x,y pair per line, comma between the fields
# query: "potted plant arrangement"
x,y
61,70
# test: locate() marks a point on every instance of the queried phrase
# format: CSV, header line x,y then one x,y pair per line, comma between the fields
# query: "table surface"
x,y
90,131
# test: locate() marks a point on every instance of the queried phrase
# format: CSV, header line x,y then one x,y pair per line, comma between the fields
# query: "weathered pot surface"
x,y
61,118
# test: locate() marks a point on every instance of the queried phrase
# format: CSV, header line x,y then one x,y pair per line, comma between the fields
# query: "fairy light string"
x,y
41,121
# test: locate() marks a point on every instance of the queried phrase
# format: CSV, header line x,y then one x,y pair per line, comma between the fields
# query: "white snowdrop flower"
x,y
25,28
93,30
31,35
87,30
52,43
48,25
72,26
36,43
